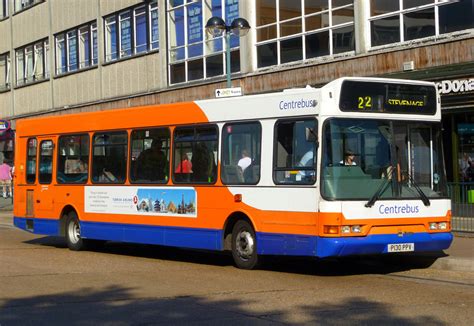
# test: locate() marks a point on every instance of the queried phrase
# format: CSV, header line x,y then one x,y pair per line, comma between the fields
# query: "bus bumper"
x,y
301,245
378,244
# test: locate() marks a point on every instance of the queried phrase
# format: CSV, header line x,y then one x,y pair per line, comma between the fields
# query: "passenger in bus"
x,y
307,159
151,163
349,158
107,176
203,163
245,161
185,166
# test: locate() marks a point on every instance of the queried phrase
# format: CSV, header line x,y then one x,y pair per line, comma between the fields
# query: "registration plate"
x,y
401,247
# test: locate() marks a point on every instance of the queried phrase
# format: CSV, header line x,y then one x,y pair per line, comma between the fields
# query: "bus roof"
x,y
287,103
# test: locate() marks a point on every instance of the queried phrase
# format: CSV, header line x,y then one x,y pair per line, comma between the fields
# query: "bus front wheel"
x,y
73,233
244,245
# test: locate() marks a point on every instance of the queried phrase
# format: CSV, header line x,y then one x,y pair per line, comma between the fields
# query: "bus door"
x,y
45,193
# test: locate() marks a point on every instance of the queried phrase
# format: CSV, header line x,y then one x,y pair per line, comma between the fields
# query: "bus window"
x,y
150,155
109,157
31,161
73,159
195,154
295,152
46,162
241,153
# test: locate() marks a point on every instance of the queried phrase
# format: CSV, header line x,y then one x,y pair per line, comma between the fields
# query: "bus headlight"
x,y
346,229
442,226
433,226
356,229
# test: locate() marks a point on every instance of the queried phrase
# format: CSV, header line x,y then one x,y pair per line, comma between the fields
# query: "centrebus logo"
x,y
399,209
298,104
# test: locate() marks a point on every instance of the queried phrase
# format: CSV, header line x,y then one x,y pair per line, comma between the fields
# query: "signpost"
x,y
229,92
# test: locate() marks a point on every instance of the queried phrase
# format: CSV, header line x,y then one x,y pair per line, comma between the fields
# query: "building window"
x,y
4,71
289,30
191,55
24,4
131,32
76,49
405,20
3,8
32,62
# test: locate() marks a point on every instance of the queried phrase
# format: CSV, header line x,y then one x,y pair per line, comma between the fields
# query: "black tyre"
x,y
244,245
73,233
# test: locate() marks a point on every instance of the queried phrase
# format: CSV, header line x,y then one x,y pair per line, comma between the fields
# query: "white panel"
x,y
394,209
282,104
279,198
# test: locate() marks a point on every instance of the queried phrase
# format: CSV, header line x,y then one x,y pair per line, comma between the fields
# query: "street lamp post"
x,y
216,27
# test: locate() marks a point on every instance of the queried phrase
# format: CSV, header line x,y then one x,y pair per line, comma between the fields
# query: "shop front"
x,y
457,102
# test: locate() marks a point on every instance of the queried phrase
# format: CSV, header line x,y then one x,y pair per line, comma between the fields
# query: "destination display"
x,y
373,97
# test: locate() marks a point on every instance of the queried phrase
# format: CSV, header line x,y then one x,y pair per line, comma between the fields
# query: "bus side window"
x,y
195,154
31,161
73,159
46,162
150,152
241,153
295,151
109,160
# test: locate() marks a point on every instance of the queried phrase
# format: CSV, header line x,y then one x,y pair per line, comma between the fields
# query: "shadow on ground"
x,y
356,265
117,306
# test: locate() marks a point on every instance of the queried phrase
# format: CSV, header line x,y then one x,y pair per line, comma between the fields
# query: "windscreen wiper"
x,y
423,196
380,190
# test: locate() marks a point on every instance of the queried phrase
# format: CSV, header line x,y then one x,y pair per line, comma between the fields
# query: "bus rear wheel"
x,y
73,233
244,245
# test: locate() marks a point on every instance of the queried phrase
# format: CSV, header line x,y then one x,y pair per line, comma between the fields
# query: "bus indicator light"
x,y
331,229
237,198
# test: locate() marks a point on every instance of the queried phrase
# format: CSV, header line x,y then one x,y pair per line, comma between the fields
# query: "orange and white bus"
x,y
355,167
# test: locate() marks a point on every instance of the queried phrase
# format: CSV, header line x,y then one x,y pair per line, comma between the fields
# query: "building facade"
x,y
65,56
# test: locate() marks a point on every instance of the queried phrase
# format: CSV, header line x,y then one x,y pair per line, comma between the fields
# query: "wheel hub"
x,y
74,232
245,244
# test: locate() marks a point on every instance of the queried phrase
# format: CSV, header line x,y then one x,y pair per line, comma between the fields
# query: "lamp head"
x,y
215,26
240,27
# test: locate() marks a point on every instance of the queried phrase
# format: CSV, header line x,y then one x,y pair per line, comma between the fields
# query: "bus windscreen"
x,y
373,97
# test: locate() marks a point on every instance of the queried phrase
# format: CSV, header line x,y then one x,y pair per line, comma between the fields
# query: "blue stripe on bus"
x,y
267,243
41,226
159,235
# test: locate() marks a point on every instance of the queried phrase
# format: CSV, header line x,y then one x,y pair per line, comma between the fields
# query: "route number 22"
x,y
365,102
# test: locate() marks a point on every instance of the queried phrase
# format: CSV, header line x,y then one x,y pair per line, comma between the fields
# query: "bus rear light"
x,y
331,229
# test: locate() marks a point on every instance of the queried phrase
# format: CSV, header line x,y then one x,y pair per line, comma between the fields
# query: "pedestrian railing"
x,y
462,205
